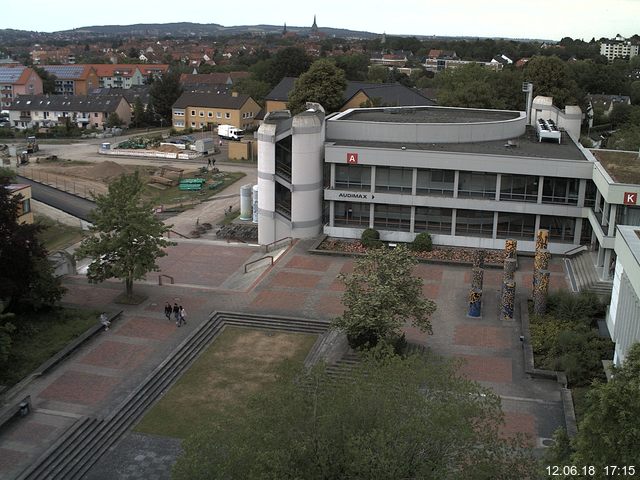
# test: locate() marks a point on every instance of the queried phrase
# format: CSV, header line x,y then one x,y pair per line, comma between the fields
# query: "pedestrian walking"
x,y
182,315
176,313
167,310
104,320
209,163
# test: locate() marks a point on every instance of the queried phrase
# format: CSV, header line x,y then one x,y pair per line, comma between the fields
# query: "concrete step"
x,y
88,440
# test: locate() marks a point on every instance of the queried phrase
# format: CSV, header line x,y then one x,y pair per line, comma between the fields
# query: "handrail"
x,y
268,245
573,251
164,275
256,261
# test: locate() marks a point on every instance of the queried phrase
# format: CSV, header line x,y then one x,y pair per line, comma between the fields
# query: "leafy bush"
x,y
370,238
422,243
584,307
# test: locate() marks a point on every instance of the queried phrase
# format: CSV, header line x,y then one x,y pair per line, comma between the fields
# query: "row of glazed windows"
x,y
468,223
518,188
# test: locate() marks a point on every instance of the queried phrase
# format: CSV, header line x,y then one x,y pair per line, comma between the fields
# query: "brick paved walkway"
x,y
209,277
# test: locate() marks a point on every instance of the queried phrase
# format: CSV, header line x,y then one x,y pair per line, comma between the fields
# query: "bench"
x,y
21,408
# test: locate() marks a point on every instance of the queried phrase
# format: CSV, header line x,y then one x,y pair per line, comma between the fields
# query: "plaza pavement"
x,y
209,276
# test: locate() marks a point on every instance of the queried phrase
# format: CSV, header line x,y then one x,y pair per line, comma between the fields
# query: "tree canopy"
x,y
608,432
164,93
551,77
381,295
126,238
323,83
389,418
27,281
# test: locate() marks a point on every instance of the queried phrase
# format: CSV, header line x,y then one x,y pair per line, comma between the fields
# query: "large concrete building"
x,y
623,319
469,177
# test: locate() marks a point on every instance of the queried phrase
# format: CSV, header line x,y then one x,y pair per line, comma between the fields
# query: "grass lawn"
x,y
57,236
239,362
622,166
173,195
41,335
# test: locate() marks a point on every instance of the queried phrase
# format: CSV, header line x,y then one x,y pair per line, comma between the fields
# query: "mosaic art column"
x,y
475,294
541,292
508,282
541,273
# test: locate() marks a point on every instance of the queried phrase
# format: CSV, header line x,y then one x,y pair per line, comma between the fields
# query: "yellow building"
x,y
207,110
25,215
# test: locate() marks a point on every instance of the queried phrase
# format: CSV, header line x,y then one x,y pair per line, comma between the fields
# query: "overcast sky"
x,y
542,19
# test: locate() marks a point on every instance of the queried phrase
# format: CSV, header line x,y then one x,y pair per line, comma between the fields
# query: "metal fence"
x,y
62,182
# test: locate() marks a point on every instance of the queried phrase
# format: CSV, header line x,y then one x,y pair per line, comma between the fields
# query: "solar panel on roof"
x,y
65,71
10,74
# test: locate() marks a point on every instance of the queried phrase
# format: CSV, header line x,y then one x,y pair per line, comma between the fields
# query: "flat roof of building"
x,y
427,115
526,145
631,236
622,167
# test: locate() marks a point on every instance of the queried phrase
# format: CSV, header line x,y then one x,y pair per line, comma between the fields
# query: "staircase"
x,y
73,455
584,276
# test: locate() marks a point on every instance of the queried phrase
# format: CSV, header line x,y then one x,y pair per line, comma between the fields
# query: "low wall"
x,y
119,152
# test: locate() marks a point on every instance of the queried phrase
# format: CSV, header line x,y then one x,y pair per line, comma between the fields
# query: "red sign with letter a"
x,y
630,198
352,158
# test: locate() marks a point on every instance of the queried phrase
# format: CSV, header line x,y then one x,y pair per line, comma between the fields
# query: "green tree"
x,y
164,93
6,329
381,295
378,74
48,80
323,83
609,432
139,114
392,418
355,66
126,238
627,138
634,92
551,77
114,120
288,62
256,89
27,281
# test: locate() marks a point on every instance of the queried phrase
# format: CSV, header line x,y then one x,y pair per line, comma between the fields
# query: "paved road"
x,y
76,206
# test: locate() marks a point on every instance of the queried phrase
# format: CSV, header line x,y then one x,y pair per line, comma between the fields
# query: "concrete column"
x,y
494,231
412,221
453,217
414,183
540,189
498,183
606,262
582,192
600,259
536,226
456,180
613,209
605,214
373,179
596,207
332,212
577,232
371,215
332,173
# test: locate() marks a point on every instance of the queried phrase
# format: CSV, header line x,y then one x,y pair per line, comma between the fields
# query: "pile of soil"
x,y
105,171
167,148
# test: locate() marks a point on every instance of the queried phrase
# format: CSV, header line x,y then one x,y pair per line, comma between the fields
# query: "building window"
x,y
227,115
394,179
561,229
353,177
560,190
283,201
433,220
516,225
477,185
218,115
435,182
474,223
590,194
519,188
24,207
193,112
210,114
193,124
201,114
179,123
392,217
350,214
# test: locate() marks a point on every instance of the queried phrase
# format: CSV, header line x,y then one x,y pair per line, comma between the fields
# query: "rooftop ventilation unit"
x,y
547,129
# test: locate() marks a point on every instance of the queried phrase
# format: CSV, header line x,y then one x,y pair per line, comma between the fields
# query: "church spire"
x,y
284,30
314,27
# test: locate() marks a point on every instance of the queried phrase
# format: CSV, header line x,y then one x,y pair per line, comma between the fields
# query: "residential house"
x,y
130,94
355,95
23,191
502,60
206,110
85,111
127,75
397,58
604,103
211,79
19,80
73,79
439,60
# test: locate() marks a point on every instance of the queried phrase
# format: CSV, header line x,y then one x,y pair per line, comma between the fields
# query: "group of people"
x,y
178,311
